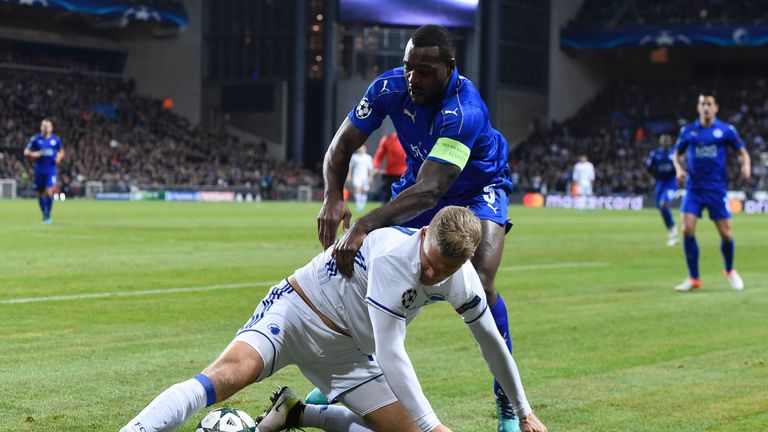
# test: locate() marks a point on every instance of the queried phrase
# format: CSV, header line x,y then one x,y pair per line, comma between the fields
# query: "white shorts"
x,y
585,189
360,182
284,331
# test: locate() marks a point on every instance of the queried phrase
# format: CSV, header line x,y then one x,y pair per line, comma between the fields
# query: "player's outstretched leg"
x,y
238,366
173,407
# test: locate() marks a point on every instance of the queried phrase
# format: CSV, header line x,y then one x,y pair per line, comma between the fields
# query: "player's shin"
x,y
173,407
333,418
727,247
691,248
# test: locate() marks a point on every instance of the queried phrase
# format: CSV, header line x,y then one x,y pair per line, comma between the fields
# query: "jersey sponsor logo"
x,y
409,297
454,112
409,114
469,305
363,109
717,133
705,151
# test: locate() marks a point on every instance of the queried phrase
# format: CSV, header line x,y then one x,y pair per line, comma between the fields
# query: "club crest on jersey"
x,y
363,109
717,133
274,329
409,297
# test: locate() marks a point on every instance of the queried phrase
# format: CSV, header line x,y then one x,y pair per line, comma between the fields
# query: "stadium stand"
x,y
125,140
620,126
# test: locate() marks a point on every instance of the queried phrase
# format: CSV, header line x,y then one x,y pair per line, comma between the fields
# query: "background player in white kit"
x,y
583,176
333,327
361,176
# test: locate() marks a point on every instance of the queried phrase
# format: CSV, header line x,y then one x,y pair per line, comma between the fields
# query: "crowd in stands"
x,y
112,134
653,13
621,125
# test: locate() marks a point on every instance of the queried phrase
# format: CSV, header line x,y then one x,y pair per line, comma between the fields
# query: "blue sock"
x,y
727,247
210,392
666,214
48,207
691,255
41,201
499,313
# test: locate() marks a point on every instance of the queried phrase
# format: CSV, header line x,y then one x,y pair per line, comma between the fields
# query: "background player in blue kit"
x,y
706,141
659,163
453,157
46,150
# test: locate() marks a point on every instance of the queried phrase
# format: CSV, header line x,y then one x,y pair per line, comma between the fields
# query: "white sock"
x,y
333,418
171,408
364,198
359,201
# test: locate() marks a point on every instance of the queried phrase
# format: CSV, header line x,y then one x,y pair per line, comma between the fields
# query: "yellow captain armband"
x,y
451,151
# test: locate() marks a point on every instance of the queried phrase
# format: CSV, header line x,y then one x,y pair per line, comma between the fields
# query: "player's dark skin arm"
x,y
335,167
432,182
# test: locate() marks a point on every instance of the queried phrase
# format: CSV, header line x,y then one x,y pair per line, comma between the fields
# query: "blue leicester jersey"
x,y
707,153
49,147
459,123
659,163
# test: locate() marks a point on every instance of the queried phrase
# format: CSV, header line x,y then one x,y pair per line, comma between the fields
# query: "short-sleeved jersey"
x,y
386,276
460,121
584,173
659,163
361,165
707,153
49,147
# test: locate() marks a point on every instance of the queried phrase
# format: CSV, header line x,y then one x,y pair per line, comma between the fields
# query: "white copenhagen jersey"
x,y
385,294
584,173
361,167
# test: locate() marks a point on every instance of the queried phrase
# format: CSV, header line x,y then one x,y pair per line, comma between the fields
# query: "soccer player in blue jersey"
x,y
706,142
660,165
453,157
46,150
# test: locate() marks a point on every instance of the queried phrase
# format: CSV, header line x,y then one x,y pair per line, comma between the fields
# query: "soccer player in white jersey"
x,y
583,176
361,175
347,336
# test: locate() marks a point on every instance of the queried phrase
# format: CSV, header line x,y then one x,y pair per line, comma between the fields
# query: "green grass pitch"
x,y
601,339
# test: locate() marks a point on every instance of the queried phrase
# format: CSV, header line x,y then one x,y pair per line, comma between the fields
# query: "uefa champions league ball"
x,y
226,420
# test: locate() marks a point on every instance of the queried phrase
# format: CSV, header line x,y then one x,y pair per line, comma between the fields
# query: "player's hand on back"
x,y
531,423
331,215
346,249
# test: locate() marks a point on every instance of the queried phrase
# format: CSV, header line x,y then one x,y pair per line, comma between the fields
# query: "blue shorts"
x,y
665,191
45,180
492,204
716,203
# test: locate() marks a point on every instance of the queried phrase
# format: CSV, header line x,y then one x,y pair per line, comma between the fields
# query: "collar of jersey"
x,y
699,125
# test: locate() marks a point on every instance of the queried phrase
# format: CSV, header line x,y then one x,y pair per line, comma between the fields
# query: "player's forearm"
x,y
746,160
500,362
336,161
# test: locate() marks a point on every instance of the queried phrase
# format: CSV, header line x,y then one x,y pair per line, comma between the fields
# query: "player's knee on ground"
x,y
238,366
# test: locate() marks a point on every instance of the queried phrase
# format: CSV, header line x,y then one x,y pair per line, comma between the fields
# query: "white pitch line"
x,y
135,293
267,283
555,266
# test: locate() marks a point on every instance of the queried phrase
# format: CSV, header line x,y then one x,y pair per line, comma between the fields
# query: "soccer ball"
x,y
227,420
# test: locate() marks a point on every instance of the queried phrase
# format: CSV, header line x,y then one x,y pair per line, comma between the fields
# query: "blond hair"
x,y
455,232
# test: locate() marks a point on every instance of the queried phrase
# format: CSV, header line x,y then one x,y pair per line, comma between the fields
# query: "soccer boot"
x,y
284,414
316,397
507,418
672,237
688,284
734,280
